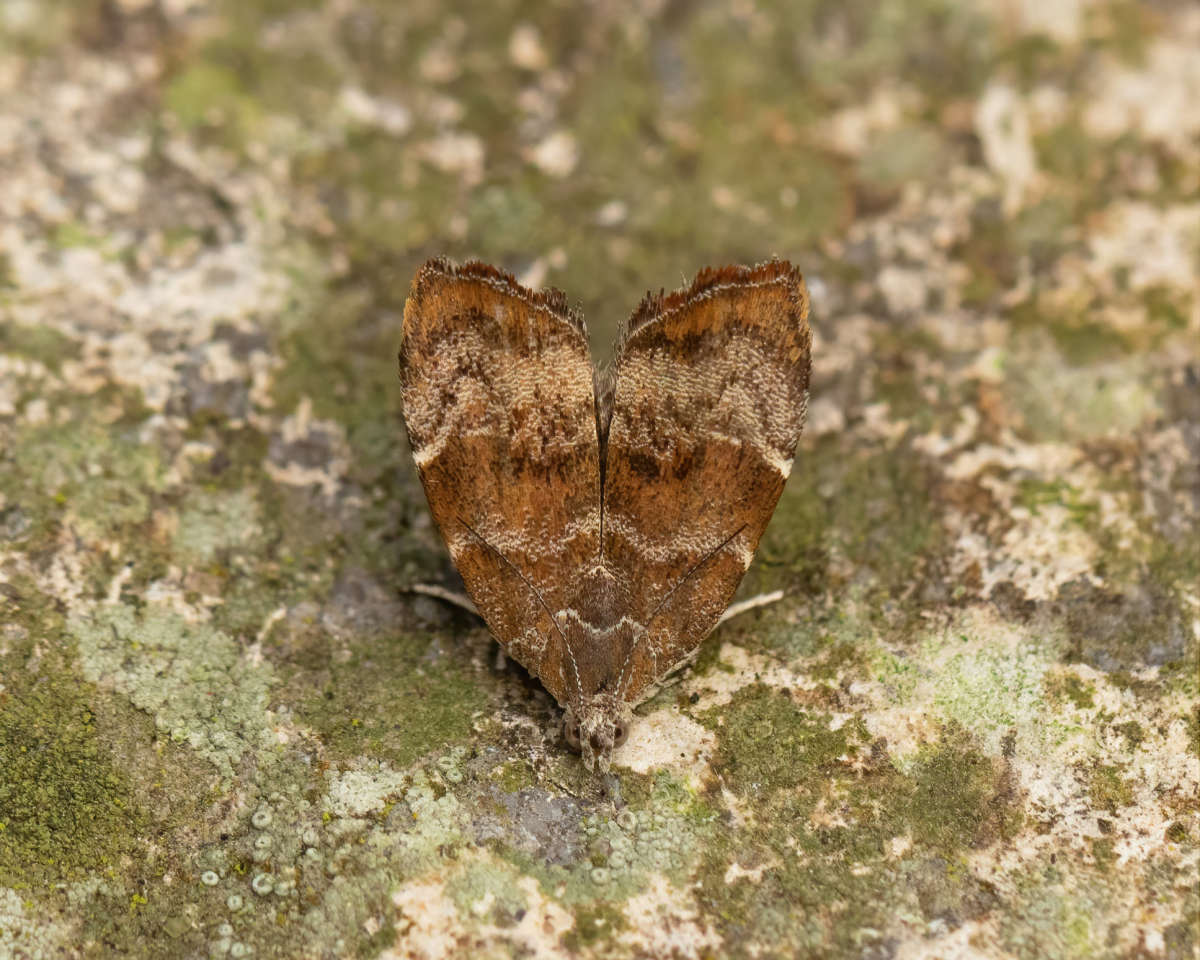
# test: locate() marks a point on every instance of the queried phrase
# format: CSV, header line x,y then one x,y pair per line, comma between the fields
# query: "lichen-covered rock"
x,y
969,729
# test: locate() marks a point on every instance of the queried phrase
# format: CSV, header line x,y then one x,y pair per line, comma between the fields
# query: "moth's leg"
x,y
449,596
743,606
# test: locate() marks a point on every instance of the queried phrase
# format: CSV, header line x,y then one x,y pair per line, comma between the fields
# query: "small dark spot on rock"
x,y
242,342
14,523
219,463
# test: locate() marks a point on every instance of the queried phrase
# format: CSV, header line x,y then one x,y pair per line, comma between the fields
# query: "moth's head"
x,y
596,727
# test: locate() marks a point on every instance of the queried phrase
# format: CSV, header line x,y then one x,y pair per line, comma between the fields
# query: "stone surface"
x,y
969,730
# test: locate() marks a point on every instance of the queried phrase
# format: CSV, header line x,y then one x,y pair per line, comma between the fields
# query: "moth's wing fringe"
x,y
550,298
656,305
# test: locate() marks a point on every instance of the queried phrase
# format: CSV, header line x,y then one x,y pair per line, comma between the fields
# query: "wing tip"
x,y
711,279
442,268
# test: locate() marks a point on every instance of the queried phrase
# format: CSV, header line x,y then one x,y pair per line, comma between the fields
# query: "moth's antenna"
x,y
534,590
667,596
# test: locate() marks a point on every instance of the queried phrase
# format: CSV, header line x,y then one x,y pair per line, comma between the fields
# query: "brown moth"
x,y
602,521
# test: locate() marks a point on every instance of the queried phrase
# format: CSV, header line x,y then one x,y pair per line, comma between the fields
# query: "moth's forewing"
x,y
499,404
707,401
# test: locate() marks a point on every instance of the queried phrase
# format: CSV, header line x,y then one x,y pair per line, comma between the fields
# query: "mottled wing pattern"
x,y
499,402
703,409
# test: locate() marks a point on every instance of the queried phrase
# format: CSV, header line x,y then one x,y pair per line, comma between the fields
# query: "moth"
x,y
602,520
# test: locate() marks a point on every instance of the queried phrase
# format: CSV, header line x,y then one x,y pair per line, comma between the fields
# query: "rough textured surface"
x,y
969,730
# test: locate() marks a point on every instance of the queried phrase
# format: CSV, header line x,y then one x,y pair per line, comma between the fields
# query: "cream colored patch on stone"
x,y
171,593
825,417
1062,20
233,280
1040,549
904,289
897,847
973,940
668,740
851,130
538,934
556,155
1150,245
124,574
905,729
456,152
878,424
28,931
135,365
665,922
1156,99
428,927
37,412
717,688
737,872
65,578
526,49
1002,123
387,115
938,444
9,394
851,340
1040,553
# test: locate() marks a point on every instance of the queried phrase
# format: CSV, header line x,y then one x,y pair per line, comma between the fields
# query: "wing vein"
x,y
667,596
534,590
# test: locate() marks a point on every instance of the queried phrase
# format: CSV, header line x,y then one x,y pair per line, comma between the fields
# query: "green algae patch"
x,y
816,865
37,342
958,798
898,157
875,507
66,807
1108,789
209,95
595,924
1069,687
389,699
767,742
514,775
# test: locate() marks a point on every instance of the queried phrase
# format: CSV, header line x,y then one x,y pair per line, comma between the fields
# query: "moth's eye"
x,y
571,732
620,733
